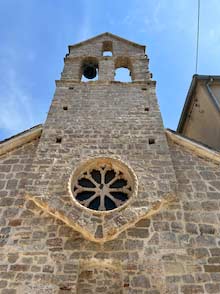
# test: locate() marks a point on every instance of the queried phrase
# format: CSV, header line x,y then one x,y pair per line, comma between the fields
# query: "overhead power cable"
x,y
197,42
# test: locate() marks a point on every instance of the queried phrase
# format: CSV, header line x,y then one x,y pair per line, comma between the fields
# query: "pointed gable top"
x,y
110,35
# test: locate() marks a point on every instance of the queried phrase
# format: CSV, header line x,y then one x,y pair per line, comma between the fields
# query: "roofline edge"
x,y
106,33
20,140
200,150
187,103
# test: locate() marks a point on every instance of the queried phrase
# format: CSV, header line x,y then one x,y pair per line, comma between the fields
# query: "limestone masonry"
x,y
101,199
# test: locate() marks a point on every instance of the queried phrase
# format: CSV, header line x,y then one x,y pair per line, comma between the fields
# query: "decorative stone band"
x,y
97,223
102,185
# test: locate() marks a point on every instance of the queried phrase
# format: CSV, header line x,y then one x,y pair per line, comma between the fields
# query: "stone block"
x,y
140,281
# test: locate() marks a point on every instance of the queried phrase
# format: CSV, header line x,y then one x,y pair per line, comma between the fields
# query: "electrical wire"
x,y
197,42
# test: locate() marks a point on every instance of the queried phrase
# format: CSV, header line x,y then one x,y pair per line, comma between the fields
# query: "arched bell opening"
x,y
89,69
123,70
123,75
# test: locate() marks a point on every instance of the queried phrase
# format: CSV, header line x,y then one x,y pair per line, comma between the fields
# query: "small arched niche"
x,y
123,70
89,69
107,48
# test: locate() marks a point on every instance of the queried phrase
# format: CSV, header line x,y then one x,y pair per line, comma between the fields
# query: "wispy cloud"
x,y
154,21
85,31
143,16
16,113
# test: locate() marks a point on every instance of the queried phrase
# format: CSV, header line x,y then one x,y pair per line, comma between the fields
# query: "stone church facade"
x,y
101,199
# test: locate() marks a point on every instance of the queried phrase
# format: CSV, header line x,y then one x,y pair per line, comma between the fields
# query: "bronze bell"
x,y
90,70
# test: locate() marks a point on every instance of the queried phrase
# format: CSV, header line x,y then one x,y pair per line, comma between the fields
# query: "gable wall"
x,y
94,48
175,251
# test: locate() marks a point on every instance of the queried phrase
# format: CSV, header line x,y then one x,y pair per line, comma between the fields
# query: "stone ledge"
x,y
20,139
73,82
198,149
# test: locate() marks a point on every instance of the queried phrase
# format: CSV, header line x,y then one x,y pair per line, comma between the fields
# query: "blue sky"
x,y
35,34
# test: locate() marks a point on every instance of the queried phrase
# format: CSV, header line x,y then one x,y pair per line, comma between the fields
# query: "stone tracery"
x,y
103,186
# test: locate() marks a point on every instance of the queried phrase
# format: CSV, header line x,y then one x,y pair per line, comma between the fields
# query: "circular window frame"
x,y
116,165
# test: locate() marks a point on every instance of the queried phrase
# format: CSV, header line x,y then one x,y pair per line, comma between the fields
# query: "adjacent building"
x,y
200,118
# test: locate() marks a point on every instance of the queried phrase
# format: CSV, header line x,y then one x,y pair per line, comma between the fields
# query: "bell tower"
x,y
103,162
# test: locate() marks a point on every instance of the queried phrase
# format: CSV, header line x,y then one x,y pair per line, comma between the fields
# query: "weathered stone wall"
x,y
195,230
110,120
175,251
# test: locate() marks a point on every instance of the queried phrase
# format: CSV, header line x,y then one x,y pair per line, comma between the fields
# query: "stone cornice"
x,y
20,139
72,59
68,83
195,147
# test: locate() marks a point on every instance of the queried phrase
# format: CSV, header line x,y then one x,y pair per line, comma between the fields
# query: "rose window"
x,y
103,184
